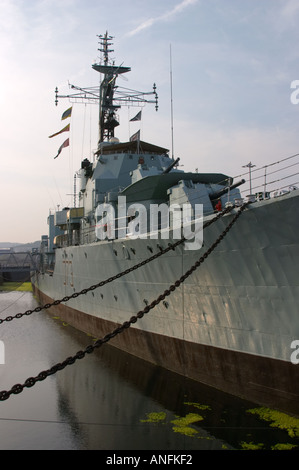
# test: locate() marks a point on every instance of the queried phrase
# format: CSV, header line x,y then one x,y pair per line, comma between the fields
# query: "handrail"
x,y
264,187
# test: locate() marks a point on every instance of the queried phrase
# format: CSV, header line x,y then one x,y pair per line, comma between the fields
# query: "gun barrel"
x,y
220,193
171,166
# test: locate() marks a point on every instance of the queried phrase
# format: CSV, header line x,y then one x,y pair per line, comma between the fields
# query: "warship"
x,y
177,268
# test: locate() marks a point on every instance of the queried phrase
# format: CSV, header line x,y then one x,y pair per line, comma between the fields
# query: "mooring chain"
x,y
172,246
31,381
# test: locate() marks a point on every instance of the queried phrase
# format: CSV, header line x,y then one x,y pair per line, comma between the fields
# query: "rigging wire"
x,y
171,106
12,303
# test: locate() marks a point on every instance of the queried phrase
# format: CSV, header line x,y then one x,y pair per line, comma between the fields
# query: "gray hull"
x,y
230,324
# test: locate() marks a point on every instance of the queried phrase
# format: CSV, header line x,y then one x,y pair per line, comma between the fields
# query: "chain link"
x,y
31,381
172,246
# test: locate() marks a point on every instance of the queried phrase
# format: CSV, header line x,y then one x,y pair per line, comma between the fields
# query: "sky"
x,y
230,65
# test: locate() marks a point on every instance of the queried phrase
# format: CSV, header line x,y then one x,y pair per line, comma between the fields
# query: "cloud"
x,y
290,8
285,16
170,13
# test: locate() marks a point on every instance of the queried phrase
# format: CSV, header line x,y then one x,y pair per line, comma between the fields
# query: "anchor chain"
x,y
172,246
31,381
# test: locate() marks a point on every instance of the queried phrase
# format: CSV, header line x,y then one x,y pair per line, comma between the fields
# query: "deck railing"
x,y
273,179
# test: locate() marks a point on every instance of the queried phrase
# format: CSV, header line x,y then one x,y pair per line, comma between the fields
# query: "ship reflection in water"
x,y
112,401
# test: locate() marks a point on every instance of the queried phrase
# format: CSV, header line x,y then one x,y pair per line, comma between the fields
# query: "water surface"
x,y
112,401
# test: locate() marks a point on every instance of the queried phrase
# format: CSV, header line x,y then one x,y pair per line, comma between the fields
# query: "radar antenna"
x,y
109,96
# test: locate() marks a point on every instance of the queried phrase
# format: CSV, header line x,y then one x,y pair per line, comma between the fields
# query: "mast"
x,y
109,96
108,119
